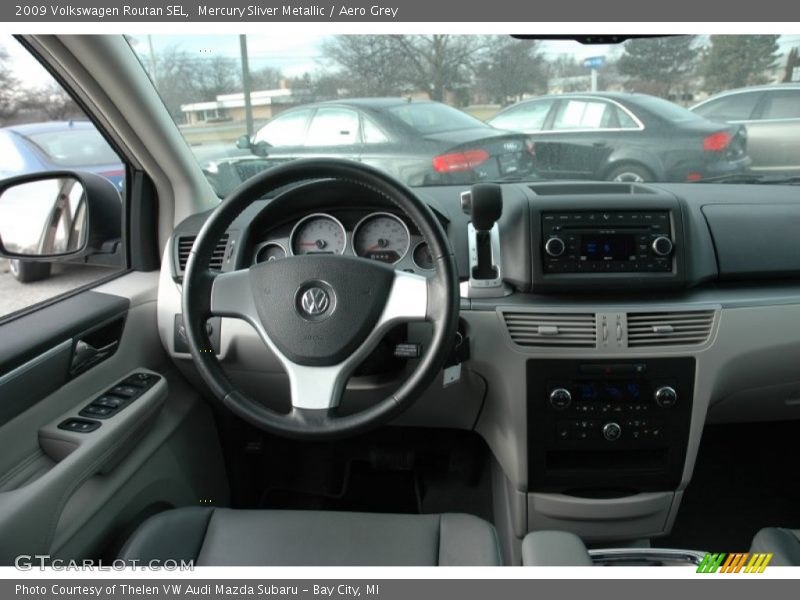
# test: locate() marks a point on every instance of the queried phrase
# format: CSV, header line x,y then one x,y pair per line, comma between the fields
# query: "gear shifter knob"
x,y
486,205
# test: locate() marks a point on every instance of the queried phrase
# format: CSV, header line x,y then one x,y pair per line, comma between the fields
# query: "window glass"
x,y
525,117
372,134
43,129
782,105
736,107
582,114
333,127
288,129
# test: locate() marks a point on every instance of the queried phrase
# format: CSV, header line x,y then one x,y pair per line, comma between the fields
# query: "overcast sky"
x,y
293,54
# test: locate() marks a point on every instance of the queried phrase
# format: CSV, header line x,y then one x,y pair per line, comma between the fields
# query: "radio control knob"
x,y
560,398
662,246
665,396
555,247
612,431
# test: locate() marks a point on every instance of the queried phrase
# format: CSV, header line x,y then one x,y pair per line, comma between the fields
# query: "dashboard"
x,y
625,317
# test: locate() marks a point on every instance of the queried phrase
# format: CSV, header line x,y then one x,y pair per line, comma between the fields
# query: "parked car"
x,y
771,116
51,146
419,142
624,137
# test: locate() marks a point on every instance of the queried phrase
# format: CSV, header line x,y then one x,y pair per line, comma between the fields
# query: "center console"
x,y
605,428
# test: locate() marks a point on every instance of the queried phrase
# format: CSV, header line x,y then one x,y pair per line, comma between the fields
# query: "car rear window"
x,y
784,104
74,148
736,107
666,109
434,118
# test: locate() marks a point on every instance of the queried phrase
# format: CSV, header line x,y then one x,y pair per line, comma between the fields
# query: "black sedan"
x,y
624,137
418,142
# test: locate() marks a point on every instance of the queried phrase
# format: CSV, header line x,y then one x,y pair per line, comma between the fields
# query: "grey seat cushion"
x,y
783,543
221,536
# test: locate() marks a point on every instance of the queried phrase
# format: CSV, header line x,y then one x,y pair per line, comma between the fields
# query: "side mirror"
x,y
60,215
243,142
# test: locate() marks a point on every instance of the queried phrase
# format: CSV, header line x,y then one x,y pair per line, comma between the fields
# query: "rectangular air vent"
x,y
185,243
551,330
683,328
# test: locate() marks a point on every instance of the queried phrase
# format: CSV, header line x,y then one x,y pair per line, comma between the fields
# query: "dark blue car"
x,y
51,146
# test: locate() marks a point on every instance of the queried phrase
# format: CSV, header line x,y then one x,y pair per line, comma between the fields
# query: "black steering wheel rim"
x,y
200,284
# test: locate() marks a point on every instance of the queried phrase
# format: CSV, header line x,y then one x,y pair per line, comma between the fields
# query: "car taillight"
x,y
716,142
456,162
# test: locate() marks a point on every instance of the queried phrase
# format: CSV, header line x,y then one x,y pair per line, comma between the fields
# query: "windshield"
x,y
459,109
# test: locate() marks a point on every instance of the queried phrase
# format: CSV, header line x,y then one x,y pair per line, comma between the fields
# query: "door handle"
x,y
85,355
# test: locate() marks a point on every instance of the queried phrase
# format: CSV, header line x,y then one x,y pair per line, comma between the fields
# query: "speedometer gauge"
x,y
382,237
318,234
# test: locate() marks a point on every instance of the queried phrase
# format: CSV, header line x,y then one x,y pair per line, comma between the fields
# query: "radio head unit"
x,y
607,243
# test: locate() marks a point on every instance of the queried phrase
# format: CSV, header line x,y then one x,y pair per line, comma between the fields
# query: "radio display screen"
x,y
607,246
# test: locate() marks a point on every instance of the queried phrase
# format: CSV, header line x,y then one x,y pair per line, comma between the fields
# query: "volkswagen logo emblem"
x,y
315,300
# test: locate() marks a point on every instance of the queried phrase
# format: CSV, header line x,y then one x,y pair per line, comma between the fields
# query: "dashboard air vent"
x,y
185,243
684,328
551,330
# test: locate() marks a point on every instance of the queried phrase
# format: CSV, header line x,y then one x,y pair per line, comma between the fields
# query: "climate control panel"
x,y
607,420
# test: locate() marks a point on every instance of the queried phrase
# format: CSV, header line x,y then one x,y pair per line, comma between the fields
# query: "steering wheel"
x,y
321,315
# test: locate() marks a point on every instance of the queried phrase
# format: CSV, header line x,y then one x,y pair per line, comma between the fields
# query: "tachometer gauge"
x,y
381,236
270,251
422,257
318,234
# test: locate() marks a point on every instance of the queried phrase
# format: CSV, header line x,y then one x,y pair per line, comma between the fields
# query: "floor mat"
x,y
746,477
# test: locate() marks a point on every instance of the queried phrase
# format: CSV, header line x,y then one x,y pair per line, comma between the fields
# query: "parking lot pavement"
x,y
65,277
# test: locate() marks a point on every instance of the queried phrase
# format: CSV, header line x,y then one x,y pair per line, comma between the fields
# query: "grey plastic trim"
x,y
673,556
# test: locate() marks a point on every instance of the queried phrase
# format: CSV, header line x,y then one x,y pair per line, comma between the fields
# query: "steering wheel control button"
x,y
79,425
666,396
315,301
560,398
612,431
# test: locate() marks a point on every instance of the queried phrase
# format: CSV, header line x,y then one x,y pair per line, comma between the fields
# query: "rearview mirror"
x,y
58,215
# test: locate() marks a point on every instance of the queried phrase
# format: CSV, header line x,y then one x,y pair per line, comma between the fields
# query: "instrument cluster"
x,y
381,236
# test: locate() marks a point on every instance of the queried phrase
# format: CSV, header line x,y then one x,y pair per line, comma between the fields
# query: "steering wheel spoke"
x,y
231,296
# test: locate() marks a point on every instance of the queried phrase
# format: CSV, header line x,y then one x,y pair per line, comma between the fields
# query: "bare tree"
x,y
368,65
439,63
8,83
216,76
50,102
266,78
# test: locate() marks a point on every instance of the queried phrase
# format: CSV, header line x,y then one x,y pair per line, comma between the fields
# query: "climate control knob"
x,y
662,246
555,247
665,396
612,431
560,398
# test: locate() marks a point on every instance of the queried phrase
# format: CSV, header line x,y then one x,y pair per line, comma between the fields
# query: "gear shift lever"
x,y
484,204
